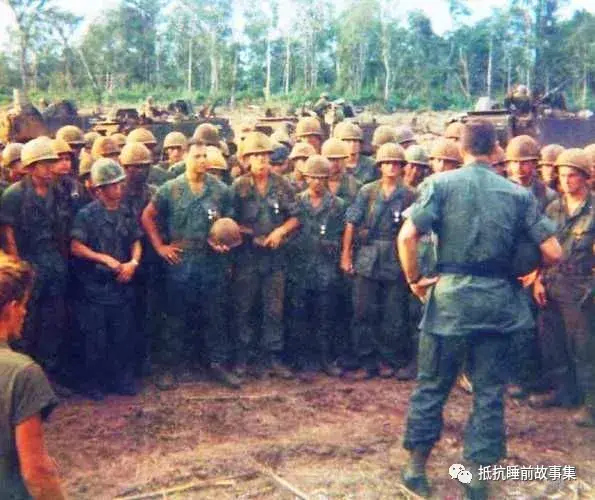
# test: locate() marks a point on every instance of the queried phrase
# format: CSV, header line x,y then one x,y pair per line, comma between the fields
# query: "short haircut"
x,y
478,137
16,279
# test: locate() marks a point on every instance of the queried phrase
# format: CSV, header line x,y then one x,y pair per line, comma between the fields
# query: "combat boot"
x,y
476,489
585,417
413,474
408,372
226,378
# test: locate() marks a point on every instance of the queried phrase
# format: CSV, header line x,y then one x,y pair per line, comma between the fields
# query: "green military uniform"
x,y
365,171
159,176
260,272
315,268
569,287
177,168
348,188
39,233
24,393
196,288
475,306
380,319
104,310
297,185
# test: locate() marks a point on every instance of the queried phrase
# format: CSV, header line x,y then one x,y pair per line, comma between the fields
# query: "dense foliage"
x,y
247,50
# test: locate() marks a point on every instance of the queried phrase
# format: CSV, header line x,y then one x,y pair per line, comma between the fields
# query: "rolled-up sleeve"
x,y
425,211
536,225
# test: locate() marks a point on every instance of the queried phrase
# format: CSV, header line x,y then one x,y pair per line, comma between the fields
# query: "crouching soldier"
x,y
107,248
315,296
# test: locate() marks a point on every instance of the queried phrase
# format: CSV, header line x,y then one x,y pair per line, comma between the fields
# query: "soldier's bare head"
x,y
478,138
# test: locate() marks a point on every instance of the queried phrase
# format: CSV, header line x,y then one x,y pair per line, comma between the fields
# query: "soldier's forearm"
x,y
348,238
289,225
407,247
10,241
137,251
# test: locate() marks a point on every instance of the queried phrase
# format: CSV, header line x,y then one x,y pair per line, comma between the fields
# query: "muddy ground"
x,y
330,439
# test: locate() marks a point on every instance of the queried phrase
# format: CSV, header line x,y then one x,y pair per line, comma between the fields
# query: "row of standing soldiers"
x,y
280,257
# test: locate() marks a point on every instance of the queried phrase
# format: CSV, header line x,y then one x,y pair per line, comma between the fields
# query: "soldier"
x,y
382,135
417,167
341,183
11,161
405,137
445,156
566,290
519,100
105,147
207,134
29,212
196,271
76,140
264,205
499,161
309,130
360,166
453,131
157,175
474,307
547,165
280,135
87,195
217,166
314,301
280,159
590,150
380,322
298,156
90,138
107,250
175,146
119,139
321,105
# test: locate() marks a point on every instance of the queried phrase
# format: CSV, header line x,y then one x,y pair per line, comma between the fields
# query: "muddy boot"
x,y
408,372
585,417
224,377
166,381
556,399
413,475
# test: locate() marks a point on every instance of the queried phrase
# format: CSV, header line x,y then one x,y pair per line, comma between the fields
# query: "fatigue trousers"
x,y
440,359
195,326
380,322
263,286
573,343
108,333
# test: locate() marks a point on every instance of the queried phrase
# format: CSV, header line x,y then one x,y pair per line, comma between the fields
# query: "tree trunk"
x,y
464,81
287,65
490,63
23,49
267,85
214,66
585,83
189,79
234,77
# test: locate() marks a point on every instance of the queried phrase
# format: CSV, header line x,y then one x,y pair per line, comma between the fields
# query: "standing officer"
x,y
308,130
29,213
567,290
474,306
107,248
265,208
196,274
360,166
316,268
380,321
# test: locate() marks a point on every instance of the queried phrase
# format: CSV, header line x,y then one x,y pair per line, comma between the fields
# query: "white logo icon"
x,y
458,471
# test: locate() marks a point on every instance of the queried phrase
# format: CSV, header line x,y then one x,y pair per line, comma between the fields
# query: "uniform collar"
x,y
581,209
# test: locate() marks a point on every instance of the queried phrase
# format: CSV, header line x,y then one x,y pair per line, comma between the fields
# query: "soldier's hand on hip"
x,y
218,247
539,293
171,253
347,264
420,288
274,239
113,264
126,272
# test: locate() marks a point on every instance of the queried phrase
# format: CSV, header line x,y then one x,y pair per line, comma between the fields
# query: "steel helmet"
x,y
215,158
207,134
317,166
106,171
90,138
11,153
281,135
224,148
104,146
382,135
522,148
85,163
302,150
417,155
71,134
348,131
550,153
175,140
256,142
446,149
454,131
334,149
119,138
404,135
135,153
38,149
390,152
590,150
141,135
308,126
61,146
576,158
225,231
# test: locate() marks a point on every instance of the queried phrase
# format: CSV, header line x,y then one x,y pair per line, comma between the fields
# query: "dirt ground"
x,y
330,439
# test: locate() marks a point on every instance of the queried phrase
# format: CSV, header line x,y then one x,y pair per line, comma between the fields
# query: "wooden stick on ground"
x,y
279,481
410,495
195,485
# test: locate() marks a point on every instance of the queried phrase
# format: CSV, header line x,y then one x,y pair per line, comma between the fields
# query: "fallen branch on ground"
x,y
279,481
